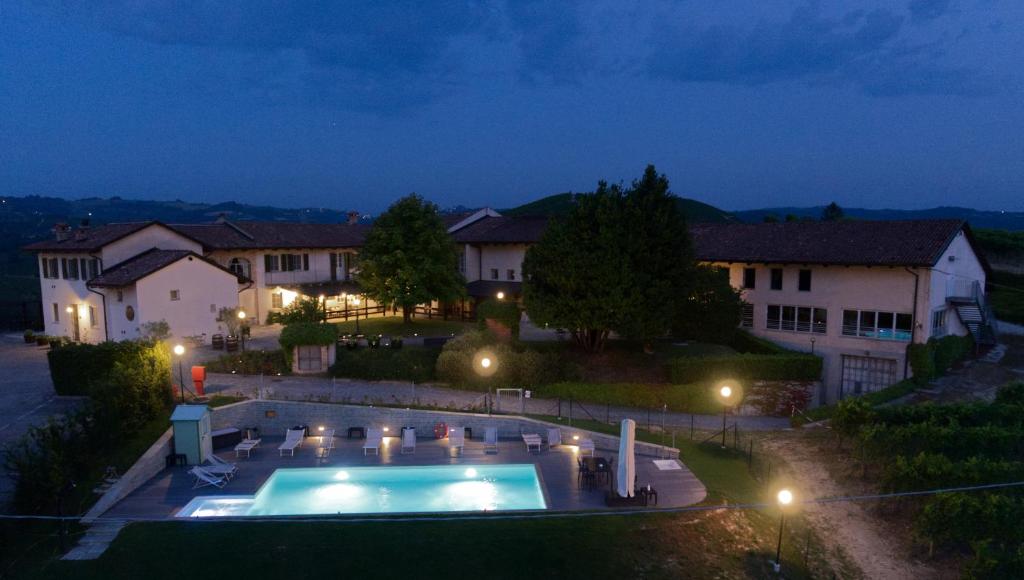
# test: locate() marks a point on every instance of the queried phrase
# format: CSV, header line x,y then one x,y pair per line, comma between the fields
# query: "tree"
x,y
408,257
619,261
711,312
770,218
832,213
306,309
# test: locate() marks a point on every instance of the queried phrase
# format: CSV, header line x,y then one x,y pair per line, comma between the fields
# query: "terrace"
x,y
171,489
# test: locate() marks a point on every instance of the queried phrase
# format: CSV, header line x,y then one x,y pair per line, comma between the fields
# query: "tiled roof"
x,y
269,235
92,240
138,267
503,230
861,243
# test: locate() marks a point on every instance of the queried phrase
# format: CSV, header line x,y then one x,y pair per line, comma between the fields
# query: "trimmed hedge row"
x,y
75,367
679,398
930,360
778,367
414,364
743,341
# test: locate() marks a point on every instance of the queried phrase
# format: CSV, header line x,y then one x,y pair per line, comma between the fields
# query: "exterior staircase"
x,y
968,299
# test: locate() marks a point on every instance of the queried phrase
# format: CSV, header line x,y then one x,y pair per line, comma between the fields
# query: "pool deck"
x,y
171,489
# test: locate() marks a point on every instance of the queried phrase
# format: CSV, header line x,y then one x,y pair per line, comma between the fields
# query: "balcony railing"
x,y
963,289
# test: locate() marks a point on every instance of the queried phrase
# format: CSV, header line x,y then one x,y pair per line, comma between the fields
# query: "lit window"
x,y
878,325
277,300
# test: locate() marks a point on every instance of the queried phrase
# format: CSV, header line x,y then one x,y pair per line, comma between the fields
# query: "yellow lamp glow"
x,y
69,310
485,362
179,350
241,314
501,295
726,392
320,428
386,429
575,437
785,497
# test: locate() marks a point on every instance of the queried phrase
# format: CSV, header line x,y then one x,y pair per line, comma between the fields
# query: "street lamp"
x,y
726,393
179,350
356,302
241,329
500,295
785,498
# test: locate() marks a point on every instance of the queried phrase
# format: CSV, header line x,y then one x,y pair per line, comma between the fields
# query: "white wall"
x,y
503,257
119,326
203,290
154,236
67,293
961,271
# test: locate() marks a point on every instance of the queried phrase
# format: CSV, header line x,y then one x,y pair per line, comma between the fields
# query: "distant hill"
x,y
1009,220
559,204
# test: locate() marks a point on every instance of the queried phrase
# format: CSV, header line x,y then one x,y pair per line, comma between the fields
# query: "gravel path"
x,y
398,393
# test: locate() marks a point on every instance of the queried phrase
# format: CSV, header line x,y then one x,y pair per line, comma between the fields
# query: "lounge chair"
x,y
374,439
327,439
246,446
457,438
292,439
491,439
203,478
409,441
587,446
554,437
532,440
218,466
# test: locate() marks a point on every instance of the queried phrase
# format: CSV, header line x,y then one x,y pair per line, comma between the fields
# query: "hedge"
x,y
74,367
251,362
516,365
504,312
414,364
779,367
931,359
679,398
743,341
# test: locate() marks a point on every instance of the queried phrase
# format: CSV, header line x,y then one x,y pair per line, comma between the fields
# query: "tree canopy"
x,y
408,257
832,213
620,261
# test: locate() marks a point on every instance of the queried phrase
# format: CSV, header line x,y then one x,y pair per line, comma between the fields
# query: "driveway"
x,y
26,395
403,393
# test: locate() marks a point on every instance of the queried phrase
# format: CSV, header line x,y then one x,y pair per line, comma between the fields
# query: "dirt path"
x,y
848,527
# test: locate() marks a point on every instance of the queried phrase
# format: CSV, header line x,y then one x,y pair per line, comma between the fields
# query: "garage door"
x,y
864,374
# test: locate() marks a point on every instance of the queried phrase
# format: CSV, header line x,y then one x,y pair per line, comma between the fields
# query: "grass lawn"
x,y
692,398
1007,296
714,543
394,326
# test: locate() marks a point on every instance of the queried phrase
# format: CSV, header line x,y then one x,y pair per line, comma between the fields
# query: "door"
x,y
865,374
309,358
76,332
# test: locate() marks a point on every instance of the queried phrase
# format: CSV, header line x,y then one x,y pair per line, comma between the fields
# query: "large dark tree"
x,y
832,213
408,257
619,261
712,309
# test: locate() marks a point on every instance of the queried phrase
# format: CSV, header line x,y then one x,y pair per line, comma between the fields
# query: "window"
x,y
804,284
56,312
511,274
271,263
175,295
94,268
240,267
73,269
747,316
213,309
879,325
939,322
305,262
129,312
64,268
749,278
494,273
276,300
92,316
796,318
53,269
776,278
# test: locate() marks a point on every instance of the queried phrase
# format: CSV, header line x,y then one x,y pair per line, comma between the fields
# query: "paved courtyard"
x,y
170,490
26,395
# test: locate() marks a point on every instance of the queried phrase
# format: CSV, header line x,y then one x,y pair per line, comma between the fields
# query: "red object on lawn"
x,y
198,378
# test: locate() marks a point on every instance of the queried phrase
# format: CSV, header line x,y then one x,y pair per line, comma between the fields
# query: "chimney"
x,y
83,230
62,231
353,218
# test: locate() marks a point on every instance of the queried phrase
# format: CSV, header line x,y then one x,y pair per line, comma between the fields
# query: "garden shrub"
x,y
381,364
505,312
780,367
932,359
251,362
518,367
75,367
46,460
300,310
743,341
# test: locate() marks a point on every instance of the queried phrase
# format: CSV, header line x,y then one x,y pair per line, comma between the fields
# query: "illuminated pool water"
x,y
380,490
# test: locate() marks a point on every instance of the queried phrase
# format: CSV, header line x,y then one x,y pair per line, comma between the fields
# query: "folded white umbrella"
x,y
627,462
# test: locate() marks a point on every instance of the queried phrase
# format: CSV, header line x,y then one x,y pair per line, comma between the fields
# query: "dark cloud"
x,y
860,48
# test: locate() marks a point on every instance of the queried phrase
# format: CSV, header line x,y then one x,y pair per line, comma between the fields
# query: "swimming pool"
x,y
380,490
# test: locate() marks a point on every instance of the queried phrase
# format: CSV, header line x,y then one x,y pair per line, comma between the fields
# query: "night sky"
x,y
743,104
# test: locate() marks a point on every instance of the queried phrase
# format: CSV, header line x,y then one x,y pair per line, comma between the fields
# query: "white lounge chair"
x,y
532,440
374,439
203,478
218,466
327,439
587,446
457,438
554,437
491,439
409,441
246,446
292,439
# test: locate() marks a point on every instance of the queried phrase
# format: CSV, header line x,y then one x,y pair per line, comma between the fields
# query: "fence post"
x,y
691,427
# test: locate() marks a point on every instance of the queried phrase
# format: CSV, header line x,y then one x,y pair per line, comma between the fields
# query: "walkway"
x,y
402,393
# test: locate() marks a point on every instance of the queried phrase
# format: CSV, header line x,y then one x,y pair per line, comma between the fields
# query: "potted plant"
x,y
56,341
30,336
42,340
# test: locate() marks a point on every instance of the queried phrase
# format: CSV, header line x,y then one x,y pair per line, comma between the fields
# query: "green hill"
x,y
559,204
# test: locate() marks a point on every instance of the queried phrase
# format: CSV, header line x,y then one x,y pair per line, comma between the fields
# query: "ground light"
x,y
785,499
179,350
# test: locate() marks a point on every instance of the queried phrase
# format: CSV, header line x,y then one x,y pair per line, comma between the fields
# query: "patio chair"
x,y
457,438
218,466
327,439
587,446
374,439
246,446
532,440
554,437
409,441
292,439
491,439
204,478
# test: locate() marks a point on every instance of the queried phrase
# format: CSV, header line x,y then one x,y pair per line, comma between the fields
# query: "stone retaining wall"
x,y
275,417
152,462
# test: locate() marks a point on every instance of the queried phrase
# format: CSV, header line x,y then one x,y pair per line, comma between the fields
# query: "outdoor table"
x,y
356,433
598,466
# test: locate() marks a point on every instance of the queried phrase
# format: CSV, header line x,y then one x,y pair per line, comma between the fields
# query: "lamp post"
x,y
784,497
241,327
356,302
812,345
725,392
500,295
485,364
179,350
